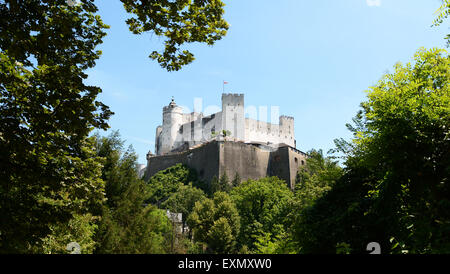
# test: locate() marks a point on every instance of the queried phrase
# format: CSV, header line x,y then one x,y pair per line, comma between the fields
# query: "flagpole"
x,y
223,86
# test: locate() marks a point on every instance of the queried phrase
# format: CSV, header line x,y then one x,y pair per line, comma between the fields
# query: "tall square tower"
x,y
233,118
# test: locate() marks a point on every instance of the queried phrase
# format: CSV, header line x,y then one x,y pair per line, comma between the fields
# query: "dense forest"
x,y
61,182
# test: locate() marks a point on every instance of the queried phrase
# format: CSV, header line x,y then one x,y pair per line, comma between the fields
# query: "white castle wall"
x,y
264,132
259,131
181,129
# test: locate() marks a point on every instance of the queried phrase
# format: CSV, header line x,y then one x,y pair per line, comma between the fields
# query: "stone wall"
x,y
250,161
204,159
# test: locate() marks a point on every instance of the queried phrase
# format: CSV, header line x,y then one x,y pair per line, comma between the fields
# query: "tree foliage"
x,y
236,180
180,22
119,167
127,224
132,227
183,200
279,244
49,171
166,182
216,223
395,189
443,13
336,218
264,206
221,184
316,177
80,229
407,147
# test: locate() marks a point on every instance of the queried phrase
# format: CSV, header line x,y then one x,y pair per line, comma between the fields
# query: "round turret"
x,y
172,120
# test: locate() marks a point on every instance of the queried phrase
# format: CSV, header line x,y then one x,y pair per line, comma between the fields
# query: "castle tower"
x,y
287,130
233,119
172,121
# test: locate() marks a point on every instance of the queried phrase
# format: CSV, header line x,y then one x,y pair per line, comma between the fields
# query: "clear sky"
x,y
312,59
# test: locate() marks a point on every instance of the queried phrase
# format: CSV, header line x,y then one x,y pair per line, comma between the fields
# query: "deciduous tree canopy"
x,y
396,183
180,22
49,169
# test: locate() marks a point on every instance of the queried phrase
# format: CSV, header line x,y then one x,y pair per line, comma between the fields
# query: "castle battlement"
x,y
232,95
286,117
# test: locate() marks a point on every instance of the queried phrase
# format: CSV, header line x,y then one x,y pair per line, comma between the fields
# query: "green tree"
x,y
443,13
214,186
406,145
220,237
216,223
127,225
236,180
119,168
166,182
395,187
49,173
335,217
80,229
280,244
265,206
183,200
221,184
180,22
133,228
316,177
224,183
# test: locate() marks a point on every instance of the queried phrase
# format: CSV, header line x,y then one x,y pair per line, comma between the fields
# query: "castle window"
x,y
303,163
296,160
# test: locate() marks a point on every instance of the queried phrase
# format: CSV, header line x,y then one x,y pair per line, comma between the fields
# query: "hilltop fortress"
x,y
226,142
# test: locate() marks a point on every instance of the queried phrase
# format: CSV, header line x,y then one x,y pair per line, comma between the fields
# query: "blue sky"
x,y
312,59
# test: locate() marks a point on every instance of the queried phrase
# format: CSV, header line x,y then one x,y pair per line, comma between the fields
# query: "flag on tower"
x,y
223,85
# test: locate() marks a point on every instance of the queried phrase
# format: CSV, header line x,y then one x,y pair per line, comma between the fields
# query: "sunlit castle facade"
x,y
181,131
